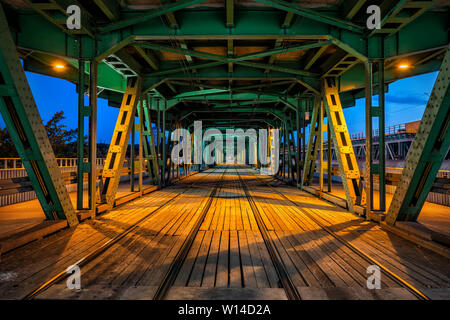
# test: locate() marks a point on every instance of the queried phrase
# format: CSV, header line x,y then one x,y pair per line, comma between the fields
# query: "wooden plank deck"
x,y
228,258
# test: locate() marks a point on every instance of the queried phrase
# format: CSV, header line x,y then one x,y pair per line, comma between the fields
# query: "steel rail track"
x,y
177,263
286,282
103,248
310,214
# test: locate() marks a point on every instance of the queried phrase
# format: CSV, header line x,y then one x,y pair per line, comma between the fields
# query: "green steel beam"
x,y
238,60
276,113
313,15
355,8
397,20
23,121
55,11
312,56
426,153
149,15
148,57
220,89
110,8
230,13
233,96
403,42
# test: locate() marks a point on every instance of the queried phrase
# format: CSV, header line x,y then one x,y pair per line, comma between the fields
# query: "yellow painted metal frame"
x,y
348,167
119,142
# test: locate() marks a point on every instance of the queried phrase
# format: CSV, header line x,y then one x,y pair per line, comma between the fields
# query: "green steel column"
x,y
303,127
158,147
329,154
141,141
321,146
80,138
382,140
369,161
93,73
132,156
372,112
299,141
164,144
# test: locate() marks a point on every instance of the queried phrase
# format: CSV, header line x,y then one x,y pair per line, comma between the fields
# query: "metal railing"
x,y
16,163
395,129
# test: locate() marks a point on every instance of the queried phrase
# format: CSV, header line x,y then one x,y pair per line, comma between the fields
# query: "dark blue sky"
x,y
405,102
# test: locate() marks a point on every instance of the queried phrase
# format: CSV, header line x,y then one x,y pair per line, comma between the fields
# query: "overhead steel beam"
x,y
403,42
238,60
313,15
230,13
355,8
148,57
426,153
396,20
110,8
55,11
24,124
312,58
150,15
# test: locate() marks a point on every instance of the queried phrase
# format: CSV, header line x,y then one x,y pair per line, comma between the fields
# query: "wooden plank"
x,y
200,263
258,267
209,276
235,266
249,279
185,272
222,264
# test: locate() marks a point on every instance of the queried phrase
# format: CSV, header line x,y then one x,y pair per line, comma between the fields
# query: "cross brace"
x,y
23,121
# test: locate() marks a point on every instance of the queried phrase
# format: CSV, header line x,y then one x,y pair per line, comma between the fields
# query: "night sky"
x,y
405,102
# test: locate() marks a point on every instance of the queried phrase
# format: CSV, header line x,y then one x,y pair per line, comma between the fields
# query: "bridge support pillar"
x,y
148,139
312,148
89,112
375,168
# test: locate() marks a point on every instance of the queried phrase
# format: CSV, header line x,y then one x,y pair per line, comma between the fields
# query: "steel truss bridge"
x,y
250,64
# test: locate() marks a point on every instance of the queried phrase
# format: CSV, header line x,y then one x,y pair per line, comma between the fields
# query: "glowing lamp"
x,y
59,66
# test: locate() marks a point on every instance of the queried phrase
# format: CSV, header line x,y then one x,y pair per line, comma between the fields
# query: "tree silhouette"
x,y
62,140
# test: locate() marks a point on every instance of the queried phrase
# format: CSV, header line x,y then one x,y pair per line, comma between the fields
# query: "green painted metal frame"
x,y
377,112
24,124
171,7
313,15
426,153
150,155
312,148
89,112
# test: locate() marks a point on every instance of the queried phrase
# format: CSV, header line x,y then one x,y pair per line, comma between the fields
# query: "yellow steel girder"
x,y
119,142
348,167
